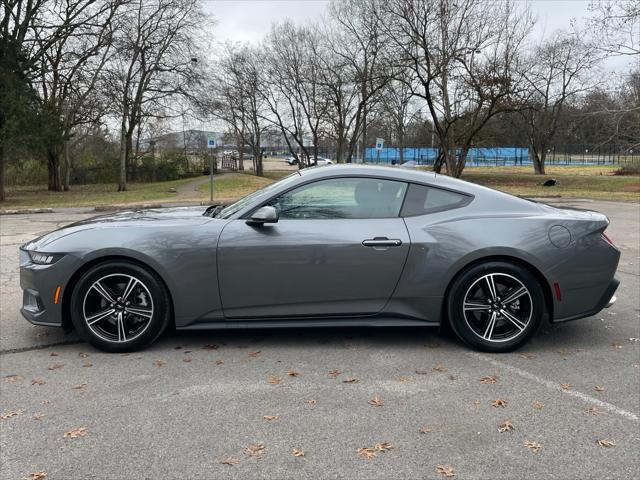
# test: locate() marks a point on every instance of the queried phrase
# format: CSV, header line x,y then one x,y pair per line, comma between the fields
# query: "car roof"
x,y
417,176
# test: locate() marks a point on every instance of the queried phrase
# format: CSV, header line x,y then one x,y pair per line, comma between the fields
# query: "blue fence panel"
x,y
477,156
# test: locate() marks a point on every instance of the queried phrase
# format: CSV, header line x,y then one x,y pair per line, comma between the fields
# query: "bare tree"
x,y
357,40
559,70
399,107
69,71
32,34
293,88
464,58
615,26
154,61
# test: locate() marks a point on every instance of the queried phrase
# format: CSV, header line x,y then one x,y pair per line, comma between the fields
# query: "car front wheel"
x,y
496,306
119,307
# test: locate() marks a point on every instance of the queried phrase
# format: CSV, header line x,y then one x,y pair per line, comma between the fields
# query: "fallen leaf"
x,y
533,446
376,402
80,386
56,366
439,368
594,411
230,461
425,430
403,378
38,416
366,452
254,354
11,413
477,403
566,352
538,405
293,373
445,471
82,355
499,402
604,442
297,452
255,450
350,380
383,447
334,373
566,386
219,361
38,381
273,380
210,346
505,426
187,359
36,475
312,403
599,388
78,432
159,363
271,417
489,379
46,402
13,378
87,364
527,355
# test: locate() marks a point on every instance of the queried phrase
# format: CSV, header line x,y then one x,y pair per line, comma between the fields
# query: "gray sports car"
x,y
328,246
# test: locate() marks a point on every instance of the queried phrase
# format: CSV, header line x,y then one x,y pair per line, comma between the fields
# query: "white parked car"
x,y
319,162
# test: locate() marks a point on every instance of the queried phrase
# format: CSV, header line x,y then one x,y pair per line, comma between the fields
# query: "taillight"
x,y
606,238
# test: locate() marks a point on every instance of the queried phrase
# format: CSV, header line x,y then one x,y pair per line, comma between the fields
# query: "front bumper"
x,y
608,298
39,284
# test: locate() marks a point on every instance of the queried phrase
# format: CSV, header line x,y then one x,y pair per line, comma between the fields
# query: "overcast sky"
x,y
250,20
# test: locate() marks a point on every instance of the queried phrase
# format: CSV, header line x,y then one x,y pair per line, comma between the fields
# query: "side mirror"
x,y
266,214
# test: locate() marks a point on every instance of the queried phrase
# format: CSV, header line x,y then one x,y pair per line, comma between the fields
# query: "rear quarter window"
x,y
422,199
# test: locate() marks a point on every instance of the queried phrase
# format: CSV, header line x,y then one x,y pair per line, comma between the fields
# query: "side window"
x,y
343,198
422,199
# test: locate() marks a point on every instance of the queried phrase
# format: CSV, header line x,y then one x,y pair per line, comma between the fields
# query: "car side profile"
x,y
345,245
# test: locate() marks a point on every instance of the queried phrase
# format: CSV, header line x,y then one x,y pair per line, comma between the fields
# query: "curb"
x,y
26,211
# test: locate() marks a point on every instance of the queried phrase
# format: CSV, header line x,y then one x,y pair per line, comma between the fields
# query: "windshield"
x,y
245,201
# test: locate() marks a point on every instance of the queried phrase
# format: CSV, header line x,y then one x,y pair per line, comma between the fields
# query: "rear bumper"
x,y
608,298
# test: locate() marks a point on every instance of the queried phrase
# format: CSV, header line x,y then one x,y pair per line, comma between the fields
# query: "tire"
x,y
495,306
120,306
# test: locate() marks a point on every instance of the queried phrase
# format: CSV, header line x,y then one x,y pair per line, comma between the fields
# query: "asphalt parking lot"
x,y
236,404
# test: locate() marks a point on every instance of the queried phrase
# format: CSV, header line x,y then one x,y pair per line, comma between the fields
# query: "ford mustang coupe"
x,y
345,245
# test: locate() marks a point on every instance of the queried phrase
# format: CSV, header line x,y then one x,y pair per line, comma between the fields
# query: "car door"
x,y
338,248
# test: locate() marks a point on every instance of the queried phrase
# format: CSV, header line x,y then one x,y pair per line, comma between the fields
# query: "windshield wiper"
x,y
212,211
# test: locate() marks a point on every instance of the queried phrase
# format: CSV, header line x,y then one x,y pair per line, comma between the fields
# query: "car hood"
x,y
178,217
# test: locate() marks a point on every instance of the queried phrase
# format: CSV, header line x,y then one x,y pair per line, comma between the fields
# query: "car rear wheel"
x,y
119,307
496,306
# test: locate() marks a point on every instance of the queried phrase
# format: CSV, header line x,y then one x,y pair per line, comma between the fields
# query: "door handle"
x,y
382,242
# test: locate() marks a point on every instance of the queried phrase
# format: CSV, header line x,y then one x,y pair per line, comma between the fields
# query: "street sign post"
x,y
211,144
379,146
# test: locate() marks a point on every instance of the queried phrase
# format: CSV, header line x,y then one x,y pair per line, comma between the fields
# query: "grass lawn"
x,y
233,187
596,182
37,196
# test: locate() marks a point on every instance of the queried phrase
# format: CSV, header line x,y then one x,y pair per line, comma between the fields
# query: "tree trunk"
x,y
67,167
538,162
53,167
122,185
3,196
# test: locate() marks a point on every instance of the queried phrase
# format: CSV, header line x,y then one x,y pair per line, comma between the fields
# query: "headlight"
x,y
44,258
